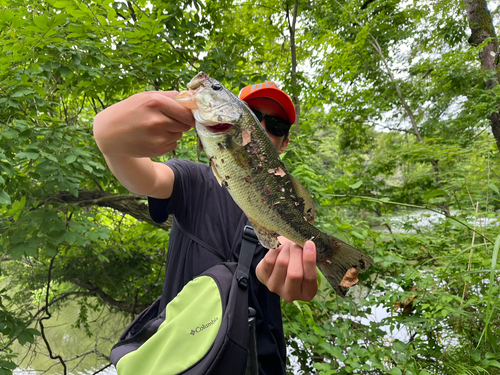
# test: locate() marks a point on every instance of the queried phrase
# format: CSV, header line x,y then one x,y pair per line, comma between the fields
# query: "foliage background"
x,y
397,103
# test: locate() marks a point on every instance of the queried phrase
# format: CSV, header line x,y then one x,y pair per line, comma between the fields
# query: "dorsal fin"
x,y
308,207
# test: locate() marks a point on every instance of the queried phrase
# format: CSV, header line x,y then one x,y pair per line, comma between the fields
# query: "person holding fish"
x,y
246,180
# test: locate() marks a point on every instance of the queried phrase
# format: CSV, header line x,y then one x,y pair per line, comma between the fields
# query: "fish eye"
x,y
216,87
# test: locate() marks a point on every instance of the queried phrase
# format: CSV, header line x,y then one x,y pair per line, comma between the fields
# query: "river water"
x,y
83,355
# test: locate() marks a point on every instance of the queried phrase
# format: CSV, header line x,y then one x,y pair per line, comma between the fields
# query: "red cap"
x,y
268,95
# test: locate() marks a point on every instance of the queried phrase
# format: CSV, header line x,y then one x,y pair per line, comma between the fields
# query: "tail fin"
x,y
341,264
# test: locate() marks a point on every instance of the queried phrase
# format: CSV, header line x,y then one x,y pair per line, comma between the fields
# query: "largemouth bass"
x,y
245,161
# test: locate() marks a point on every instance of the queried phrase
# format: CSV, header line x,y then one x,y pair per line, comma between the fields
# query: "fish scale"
x,y
245,162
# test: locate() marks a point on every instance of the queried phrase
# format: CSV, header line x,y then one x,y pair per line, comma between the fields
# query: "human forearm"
x,y
141,175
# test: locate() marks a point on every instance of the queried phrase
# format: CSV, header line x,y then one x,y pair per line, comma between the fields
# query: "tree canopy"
x,y
397,140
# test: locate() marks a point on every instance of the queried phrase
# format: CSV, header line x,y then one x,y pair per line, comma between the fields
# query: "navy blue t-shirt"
x,y
205,210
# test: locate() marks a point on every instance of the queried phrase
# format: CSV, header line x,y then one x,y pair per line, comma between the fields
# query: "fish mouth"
x,y
219,128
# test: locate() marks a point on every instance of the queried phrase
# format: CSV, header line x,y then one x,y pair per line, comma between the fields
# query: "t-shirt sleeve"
x,y
190,177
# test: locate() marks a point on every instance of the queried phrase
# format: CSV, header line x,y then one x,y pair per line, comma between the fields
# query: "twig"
x,y
447,215
170,42
132,11
407,108
47,316
102,369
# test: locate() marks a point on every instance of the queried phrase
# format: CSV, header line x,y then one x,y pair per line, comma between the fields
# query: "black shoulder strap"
x,y
200,242
248,245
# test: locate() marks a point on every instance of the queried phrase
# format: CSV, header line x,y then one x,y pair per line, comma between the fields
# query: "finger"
x,y
173,136
170,147
295,270
161,128
309,261
277,278
310,276
266,265
168,94
292,288
170,108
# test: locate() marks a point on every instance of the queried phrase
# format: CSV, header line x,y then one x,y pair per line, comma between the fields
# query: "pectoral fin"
x,y
200,146
216,174
266,238
241,156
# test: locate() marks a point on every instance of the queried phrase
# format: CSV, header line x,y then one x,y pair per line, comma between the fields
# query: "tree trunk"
x,y
481,26
293,52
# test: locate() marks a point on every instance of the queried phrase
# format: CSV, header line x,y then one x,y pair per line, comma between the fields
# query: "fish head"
x,y
215,108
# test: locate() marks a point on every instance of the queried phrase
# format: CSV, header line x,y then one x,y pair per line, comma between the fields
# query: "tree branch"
x,y
170,42
132,11
107,299
407,108
130,204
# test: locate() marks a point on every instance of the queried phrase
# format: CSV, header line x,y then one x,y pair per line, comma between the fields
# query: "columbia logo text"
x,y
203,326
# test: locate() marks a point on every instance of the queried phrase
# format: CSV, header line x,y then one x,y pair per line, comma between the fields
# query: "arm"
x,y
290,271
136,129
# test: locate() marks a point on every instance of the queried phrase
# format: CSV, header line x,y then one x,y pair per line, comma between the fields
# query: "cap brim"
x,y
278,96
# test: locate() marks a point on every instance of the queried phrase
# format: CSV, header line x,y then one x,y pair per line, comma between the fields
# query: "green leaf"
x,y
358,235
492,363
7,365
399,346
21,93
17,208
60,4
28,155
342,185
41,21
88,168
4,197
25,337
297,305
11,133
28,248
434,193
71,158
111,14
395,371
33,331
356,185
50,249
494,188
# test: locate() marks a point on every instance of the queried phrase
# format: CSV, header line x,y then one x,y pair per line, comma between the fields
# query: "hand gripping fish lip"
x,y
188,100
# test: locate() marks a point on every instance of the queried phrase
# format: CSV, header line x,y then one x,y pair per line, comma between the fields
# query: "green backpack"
x,y
206,329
